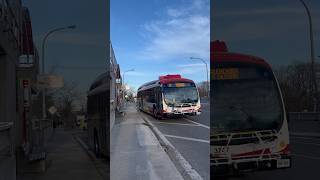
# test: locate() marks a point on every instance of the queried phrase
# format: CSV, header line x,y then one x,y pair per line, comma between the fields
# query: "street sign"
x,y
50,81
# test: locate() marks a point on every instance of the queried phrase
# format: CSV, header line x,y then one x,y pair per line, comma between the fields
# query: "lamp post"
x,y
313,76
44,114
208,94
124,82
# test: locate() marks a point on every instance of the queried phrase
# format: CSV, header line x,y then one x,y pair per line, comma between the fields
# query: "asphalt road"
x,y
305,162
190,136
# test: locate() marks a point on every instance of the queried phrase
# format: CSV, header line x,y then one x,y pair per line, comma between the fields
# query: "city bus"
x,y
249,128
98,116
169,96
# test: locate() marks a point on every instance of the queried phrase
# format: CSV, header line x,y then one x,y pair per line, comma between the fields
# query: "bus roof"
x,y
173,78
99,85
219,53
170,78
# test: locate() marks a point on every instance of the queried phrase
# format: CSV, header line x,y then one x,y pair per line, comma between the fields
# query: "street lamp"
x,y
44,114
208,94
314,81
123,83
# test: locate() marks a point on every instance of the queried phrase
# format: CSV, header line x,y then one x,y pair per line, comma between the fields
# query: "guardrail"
x,y
304,116
7,154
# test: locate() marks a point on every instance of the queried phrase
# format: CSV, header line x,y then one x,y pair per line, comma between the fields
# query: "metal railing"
x,y
6,145
304,116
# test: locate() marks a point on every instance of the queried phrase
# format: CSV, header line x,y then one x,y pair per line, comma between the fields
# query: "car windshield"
x,y
247,101
180,95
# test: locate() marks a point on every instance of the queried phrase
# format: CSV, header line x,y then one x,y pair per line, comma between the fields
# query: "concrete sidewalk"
x,y
135,152
67,160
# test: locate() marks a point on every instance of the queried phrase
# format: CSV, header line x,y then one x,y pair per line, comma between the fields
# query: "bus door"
x,y
158,98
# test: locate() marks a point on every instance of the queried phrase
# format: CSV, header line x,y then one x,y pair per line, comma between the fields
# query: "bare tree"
x,y
202,88
296,87
64,99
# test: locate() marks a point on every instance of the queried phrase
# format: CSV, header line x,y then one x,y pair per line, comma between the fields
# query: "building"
x,y
30,135
116,98
10,47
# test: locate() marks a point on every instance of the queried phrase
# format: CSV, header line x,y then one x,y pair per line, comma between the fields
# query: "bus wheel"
x,y
96,144
154,112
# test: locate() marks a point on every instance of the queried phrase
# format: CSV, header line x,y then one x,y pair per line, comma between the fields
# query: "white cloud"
x,y
183,33
264,12
136,73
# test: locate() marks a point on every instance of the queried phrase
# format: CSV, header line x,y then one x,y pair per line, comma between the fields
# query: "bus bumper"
x,y
243,166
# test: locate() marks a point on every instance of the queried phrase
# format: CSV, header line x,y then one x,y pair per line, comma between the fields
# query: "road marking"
x,y
187,138
202,125
307,157
187,170
183,124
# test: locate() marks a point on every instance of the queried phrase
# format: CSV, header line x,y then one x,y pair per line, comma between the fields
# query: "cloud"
x,y
136,73
277,11
184,32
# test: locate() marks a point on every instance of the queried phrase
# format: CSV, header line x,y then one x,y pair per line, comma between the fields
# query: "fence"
x,y
304,122
7,155
304,116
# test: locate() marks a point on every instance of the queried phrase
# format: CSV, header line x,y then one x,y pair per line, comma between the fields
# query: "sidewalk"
x,y
67,160
135,152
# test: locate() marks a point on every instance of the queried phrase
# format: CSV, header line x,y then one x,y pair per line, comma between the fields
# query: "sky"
x,y
158,37
274,30
84,46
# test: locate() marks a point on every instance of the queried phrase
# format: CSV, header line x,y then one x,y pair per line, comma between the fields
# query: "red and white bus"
x,y
249,128
168,96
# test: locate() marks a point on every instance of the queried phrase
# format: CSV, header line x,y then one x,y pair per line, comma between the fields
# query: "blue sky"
x,y
271,29
157,37
84,46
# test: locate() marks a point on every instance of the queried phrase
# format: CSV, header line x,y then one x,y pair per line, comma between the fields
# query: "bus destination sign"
x,y
225,73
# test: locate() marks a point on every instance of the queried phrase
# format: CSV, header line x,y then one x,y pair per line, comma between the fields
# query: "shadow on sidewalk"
x,y
66,160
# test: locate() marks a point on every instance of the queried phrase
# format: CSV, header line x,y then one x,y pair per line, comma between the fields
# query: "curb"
x,y
92,156
178,160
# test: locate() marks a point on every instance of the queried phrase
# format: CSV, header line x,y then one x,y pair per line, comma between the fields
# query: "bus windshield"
x,y
245,99
177,96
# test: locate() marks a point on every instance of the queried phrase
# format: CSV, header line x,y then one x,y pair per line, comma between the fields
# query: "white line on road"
x,y
187,170
183,124
202,125
187,138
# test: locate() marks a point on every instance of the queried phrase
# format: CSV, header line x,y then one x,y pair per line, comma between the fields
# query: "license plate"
x,y
283,163
220,150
